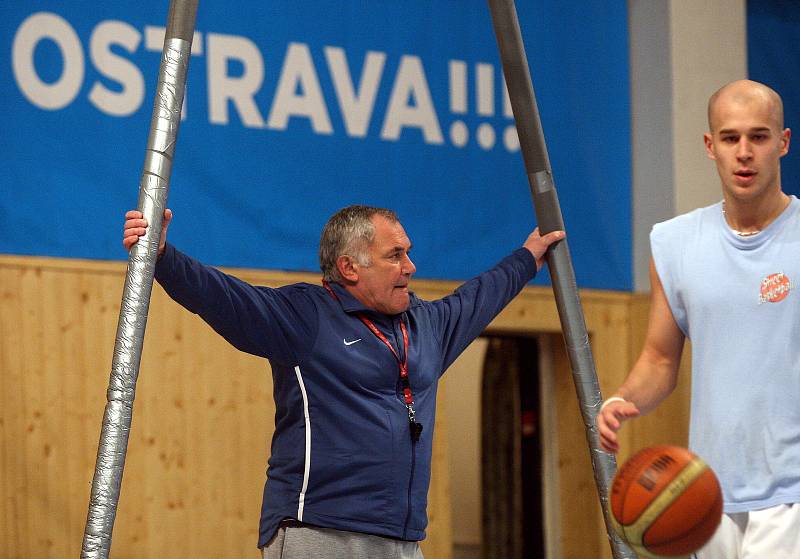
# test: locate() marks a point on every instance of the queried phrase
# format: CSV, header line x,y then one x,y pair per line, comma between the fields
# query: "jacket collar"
x,y
349,303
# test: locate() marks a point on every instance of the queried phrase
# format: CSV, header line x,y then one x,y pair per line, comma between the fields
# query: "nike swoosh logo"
x,y
350,343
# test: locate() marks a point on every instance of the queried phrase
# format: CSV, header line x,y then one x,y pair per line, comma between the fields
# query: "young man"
x,y
355,364
724,276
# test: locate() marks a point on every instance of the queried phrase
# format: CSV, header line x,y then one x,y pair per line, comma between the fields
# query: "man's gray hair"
x,y
349,232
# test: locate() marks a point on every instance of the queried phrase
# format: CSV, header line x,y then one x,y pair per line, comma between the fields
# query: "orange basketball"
x,y
665,501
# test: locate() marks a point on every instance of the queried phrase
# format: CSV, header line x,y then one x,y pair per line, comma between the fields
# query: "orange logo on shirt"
x,y
775,288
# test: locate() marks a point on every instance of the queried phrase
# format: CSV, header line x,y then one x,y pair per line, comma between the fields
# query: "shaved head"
x,y
747,140
746,92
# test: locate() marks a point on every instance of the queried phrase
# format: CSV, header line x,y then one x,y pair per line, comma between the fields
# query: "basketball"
x,y
665,501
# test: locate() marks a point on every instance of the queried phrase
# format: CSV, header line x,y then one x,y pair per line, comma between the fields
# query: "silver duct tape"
x,y
158,164
541,181
153,189
124,374
108,475
604,465
169,96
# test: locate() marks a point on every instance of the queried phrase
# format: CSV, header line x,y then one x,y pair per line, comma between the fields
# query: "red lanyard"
x,y
408,398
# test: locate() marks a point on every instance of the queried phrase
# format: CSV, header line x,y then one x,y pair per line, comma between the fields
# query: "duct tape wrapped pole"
x,y
549,218
153,189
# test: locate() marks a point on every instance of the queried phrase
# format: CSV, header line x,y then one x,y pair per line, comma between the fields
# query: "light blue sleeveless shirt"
x,y
738,300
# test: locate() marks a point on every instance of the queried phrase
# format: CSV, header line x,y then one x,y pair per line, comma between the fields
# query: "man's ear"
x,y
708,140
348,268
786,136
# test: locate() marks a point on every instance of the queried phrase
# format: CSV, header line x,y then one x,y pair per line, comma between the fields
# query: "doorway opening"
x,y
511,450
503,449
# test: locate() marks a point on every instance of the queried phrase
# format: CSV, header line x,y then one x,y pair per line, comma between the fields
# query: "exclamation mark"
x,y
510,137
484,84
459,133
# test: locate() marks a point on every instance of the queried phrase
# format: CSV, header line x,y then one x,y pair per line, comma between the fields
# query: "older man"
x,y
725,276
355,364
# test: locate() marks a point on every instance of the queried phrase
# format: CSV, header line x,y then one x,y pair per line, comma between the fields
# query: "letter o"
x,y
39,26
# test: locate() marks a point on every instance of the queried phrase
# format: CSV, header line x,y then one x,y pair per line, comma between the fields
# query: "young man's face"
x,y
383,285
747,143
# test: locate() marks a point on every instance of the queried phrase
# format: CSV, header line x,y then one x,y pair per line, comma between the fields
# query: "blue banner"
x,y
296,109
773,30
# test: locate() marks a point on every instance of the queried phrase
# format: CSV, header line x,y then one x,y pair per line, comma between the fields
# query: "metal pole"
x,y
549,218
153,189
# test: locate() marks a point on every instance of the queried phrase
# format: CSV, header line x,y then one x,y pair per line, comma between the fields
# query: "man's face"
x,y
383,285
747,143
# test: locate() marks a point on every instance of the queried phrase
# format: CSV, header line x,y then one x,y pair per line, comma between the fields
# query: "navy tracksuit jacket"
x,y
342,456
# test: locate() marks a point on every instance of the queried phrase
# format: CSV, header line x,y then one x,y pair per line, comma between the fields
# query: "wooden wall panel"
x,y
199,442
203,417
669,423
611,324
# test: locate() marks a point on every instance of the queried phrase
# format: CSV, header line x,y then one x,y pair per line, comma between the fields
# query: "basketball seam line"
x,y
635,532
